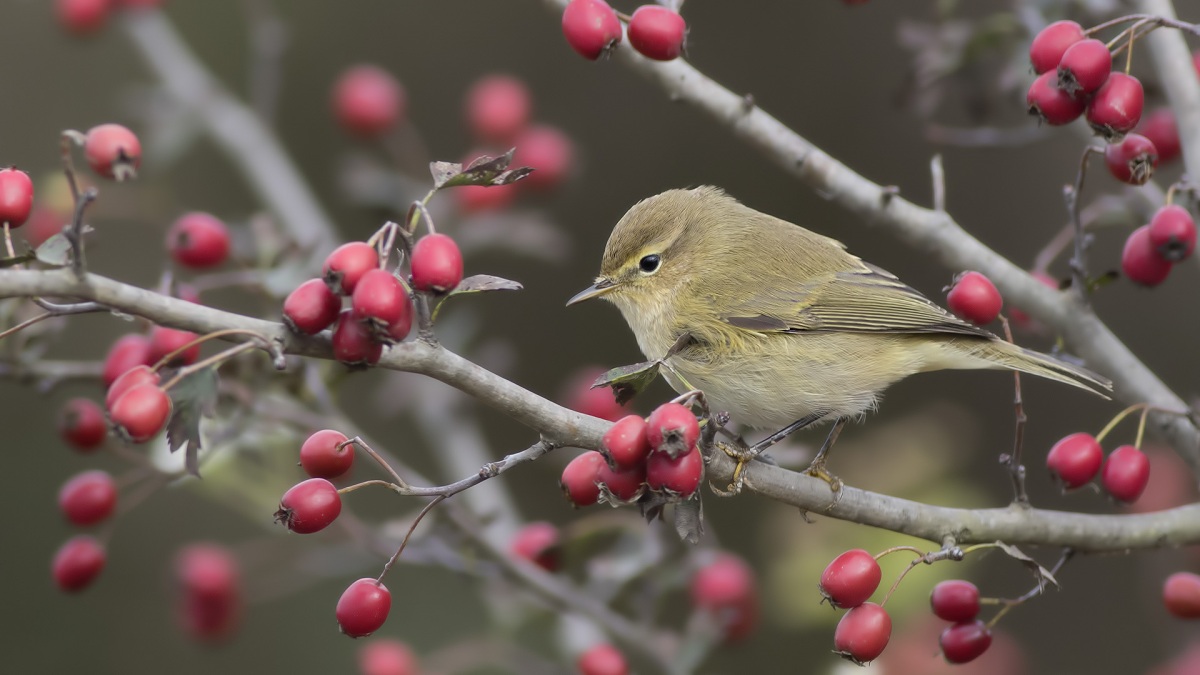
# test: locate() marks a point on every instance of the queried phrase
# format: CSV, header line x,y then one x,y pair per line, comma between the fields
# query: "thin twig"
x,y
1016,467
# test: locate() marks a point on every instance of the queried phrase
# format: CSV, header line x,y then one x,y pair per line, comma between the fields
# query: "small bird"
x,y
784,328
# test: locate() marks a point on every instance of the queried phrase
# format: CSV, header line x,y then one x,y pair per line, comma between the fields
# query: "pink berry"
x,y
1075,460
210,602
165,341
141,412
578,480
965,641
380,300
1141,262
657,32
1159,126
88,497
198,240
363,608
624,445
128,352
321,456
850,578
863,633
597,402
623,484
1173,233
955,600
1125,474
140,374
1181,595
974,297
81,424
353,343
1132,160
113,151
347,264
383,656
725,588
311,308
498,108
1051,104
309,506
602,659
1084,67
1049,45
676,476
437,264
673,429
591,28
368,101
549,151
77,563
16,197
1116,108
537,543
82,16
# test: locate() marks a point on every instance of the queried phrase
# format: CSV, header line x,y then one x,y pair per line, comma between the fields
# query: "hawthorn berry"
x,y
863,633
591,28
347,264
579,478
1084,67
210,605
164,341
16,197
311,308
1075,460
141,374
965,641
725,588
600,402
955,600
363,607
672,429
1051,104
1181,595
1132,160
603,659
850,579
82,16
368,101
141,412
323,455
498,108
383,656
88,498
623,484
309,506
381,301
352,341
1173,232
1159,126
678,476
437,264
1116,108
198,240
974,297
1049,45
128,352
113,151
1140,262
624,445
537,543
81,424
657,32
77,563
1125,474
549,151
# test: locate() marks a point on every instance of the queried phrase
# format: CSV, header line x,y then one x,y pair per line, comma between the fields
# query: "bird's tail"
x,y
1000,354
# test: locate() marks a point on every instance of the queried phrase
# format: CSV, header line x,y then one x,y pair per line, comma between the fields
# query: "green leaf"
x,y
629,381
192,398
485,171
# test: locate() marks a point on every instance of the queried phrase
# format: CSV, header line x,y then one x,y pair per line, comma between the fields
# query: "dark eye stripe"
x,y
649,263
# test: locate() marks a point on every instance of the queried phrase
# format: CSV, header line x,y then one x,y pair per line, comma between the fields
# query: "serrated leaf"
x,y
18,259
629,381
1042,574
192,398
485,171
482,283
689,519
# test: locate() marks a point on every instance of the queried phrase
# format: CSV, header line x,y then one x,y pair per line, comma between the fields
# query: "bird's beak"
x,y
596,290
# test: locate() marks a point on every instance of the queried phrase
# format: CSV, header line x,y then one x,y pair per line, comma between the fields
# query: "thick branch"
x,y
1176,75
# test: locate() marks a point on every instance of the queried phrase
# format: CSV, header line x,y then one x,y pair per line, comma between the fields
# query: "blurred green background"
x,y
834,73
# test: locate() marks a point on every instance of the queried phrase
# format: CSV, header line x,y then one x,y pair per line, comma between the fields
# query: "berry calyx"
x,y
309,506
1140,262
974,297
1173,232
141,374
198,240
353,343
437,264
591,28
863,633
1181,595
323,455
77,563
368,101
600,402
624,485
657,32
675,476
1125,474
381,301
549,151
16,197
113,151
725,588
81,424
603,659
347,264
1132,160
383,656
141,412
624,445
1049,45
498,108
1075,460
672,429
1159,126
1116,108
955,600
579,477
1084,67
363,608
165,340
128,352
965,641
311,308
1051,104
537,543
850,578
88,498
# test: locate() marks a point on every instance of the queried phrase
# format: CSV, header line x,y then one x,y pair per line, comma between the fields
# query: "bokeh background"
x,y
836,74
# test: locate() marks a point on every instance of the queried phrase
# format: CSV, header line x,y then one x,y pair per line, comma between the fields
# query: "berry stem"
x,y
1071,194
369,483
201,365
418,208
383,240
211,336
1015,467
1137,443
950,553
897,549
366,447
8,245
1007,604
396,556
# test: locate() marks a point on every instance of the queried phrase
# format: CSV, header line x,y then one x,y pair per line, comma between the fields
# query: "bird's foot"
x,y
741,454
817,470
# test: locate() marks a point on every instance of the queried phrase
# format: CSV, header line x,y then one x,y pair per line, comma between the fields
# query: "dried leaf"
x,y
1042,574
629,381
55,251
481,283
485,171
689,519
192,398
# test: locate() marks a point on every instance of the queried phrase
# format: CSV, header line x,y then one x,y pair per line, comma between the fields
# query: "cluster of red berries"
x,y
311,505
657,454
207,578
1152,249
966,638
1075,460
83,17
593,30
863,632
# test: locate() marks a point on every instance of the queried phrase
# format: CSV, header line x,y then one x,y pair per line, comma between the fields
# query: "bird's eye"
x,y
649,264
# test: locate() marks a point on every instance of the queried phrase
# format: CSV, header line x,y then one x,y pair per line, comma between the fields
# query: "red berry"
x,y
965,641
1125,473
363,607
850,578
1075,460
347,264
602,659
437,264
321,456
624,445
82,16
1132,160
498,108
353,343
578,480
539,544
673,429
309,506
77,563
16,197
549,151
81,424
657,32
383,656
311,308
1181,595
974,297
598,402
1159,126
165,340
113,151
128,352
1084,67
211,601
623,484
1051,43
591,28
198,240
1117,107
88,498
725,587
44,223
955,600
679,476
368,101
380,300
1140,262
1051,104
1173,232
863,633
141,374
141,412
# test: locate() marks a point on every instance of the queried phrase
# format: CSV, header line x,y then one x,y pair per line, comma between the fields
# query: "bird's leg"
x,y
817,468
743,454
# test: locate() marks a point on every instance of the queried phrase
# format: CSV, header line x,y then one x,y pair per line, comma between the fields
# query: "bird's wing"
x,y
866,300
